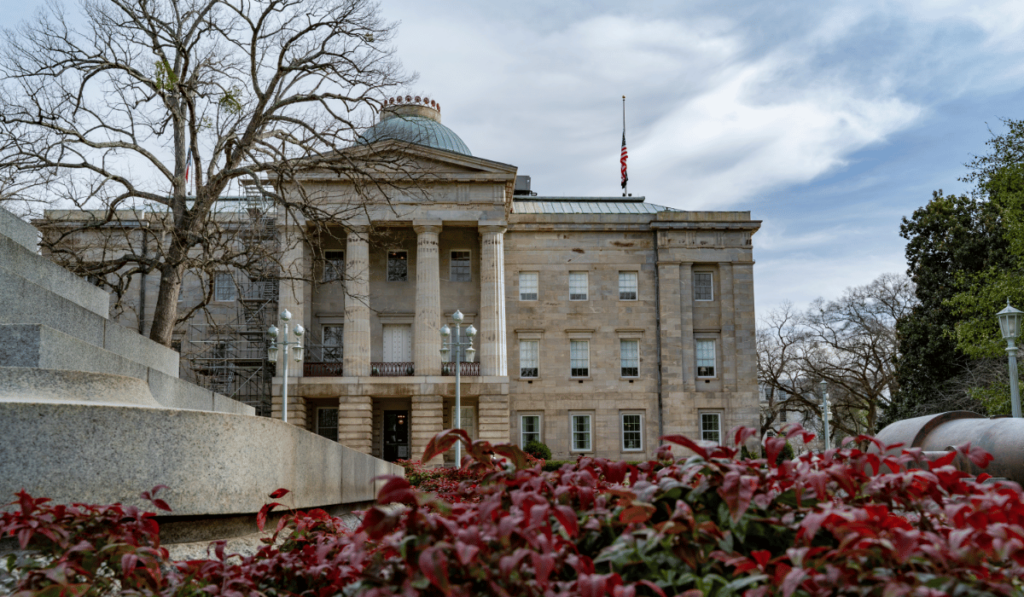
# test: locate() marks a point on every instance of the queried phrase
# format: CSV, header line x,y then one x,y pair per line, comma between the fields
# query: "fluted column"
x,y
493,350
356,335
426,332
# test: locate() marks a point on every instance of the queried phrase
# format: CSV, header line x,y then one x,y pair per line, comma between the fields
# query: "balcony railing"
x,y
321,369
392,369
468,369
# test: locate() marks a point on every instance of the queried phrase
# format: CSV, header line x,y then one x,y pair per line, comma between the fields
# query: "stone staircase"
x,y
52,319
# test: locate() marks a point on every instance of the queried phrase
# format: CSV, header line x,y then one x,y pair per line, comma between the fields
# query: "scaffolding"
x,y
227,353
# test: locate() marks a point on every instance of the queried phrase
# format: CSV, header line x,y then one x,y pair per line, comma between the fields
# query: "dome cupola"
x,y
414,119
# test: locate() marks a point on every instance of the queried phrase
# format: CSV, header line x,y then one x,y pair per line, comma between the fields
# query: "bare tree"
x,y
850,343
174,103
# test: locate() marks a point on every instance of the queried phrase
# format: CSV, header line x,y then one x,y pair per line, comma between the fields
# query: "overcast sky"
x,y
828,121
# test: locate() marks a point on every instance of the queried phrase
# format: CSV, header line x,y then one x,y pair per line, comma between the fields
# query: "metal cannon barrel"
x,y
1002,438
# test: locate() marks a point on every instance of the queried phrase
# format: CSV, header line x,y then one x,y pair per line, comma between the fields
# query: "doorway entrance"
x,y
396,435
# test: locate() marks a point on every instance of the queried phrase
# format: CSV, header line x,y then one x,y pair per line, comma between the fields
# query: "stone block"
x,y
18,230
37,345
27,302
133,345
39,270
213,463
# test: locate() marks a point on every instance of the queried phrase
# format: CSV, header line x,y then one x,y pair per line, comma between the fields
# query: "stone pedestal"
x,y
427,421
426,332
356,335
493,348
355,423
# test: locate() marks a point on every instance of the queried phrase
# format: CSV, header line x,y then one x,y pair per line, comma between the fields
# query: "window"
x,y
632,432
332,344
397,343
711,427
705,358
224,288
527,286
334,266
529,358
627,286
327,423
702,289
579,357
629,357
460,267
580,428
529,429
577,286
398,266
782,415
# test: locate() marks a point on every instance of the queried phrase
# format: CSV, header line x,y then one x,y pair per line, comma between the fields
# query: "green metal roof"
x,y
418,130
586,205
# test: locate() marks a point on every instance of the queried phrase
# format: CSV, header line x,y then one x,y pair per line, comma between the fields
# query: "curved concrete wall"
x,y
214,463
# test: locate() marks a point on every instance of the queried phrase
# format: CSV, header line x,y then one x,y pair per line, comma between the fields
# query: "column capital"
x,y
421,226
489,226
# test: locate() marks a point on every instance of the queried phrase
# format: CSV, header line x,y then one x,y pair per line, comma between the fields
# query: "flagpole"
x,y
625,178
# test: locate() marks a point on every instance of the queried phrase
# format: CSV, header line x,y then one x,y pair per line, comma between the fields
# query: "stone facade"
x,y
635,321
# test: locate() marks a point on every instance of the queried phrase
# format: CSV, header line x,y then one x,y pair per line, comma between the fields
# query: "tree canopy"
x,y
170,104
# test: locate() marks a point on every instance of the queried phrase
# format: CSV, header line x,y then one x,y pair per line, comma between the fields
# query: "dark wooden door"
x,y
396,435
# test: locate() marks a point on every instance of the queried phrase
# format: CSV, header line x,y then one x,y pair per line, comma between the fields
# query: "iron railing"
x,y
392,369
321,369
468,369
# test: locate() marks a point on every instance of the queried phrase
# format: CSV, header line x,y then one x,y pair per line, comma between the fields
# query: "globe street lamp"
x,y
1009,325
455,345
824,413
295,346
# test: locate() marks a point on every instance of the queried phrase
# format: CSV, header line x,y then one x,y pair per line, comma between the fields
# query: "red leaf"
x,y
978,456
397,490
773,447
943,460
434,565
261,516
377,523
637,513
567,517
543,564
440,443
161,505
615,472
761,556
513,453
792,581
983,477
466,553
650,585
279,493
737,491
741,434
686,442
128,563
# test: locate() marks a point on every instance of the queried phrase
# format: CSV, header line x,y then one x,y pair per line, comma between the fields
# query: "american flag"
x,y
622,160
188,162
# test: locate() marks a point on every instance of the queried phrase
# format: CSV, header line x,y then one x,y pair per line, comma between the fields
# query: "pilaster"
x,y
728,328
295,292
355,423
426,332
689,369
493,348
427,421
356,334
673,344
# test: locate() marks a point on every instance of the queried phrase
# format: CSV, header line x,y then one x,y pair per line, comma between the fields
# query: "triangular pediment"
x,y
408,159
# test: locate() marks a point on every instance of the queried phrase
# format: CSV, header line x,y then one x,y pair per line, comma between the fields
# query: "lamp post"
x,y
1009,325
457,347
824,413
272,350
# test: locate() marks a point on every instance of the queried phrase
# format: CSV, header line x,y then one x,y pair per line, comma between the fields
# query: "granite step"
x,y
40,346
19,261
27,302
18,230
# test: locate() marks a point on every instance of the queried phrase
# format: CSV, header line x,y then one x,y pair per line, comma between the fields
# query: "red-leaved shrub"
x,y
836,523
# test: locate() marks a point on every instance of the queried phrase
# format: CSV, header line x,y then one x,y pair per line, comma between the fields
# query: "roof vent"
x,y
523,187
